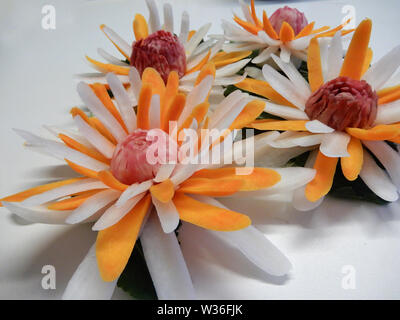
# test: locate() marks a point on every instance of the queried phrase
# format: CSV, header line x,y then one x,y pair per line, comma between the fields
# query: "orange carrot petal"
x,y
143,108
351,166
306,31
140,27
108,67
73,202
323,180
206,70
262,88
21,196
254,15
108,179
163,191
174,111
224,58
284,125
259,178
287,33
114,245
247,25
354,60
211,187
249,113
315,76
268,27
389,94
198,114
151,77
201,64
379,132
208,216
82,170
171,90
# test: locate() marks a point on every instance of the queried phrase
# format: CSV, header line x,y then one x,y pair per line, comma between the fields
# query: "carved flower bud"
x,y
296,19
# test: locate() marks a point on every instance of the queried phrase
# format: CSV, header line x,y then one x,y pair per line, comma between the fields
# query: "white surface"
x,y
37,88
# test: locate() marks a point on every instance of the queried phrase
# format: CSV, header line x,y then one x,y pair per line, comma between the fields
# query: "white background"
x,y
37,87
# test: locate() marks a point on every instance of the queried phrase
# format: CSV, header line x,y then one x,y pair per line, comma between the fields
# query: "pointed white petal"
x,y
196,38
165,262
246,12
285,54
38,214
135,81
168,215
316,126
98,109
254,73
61,151
164,172
110,58
301,85
121,43
284,112
184,34
302,139
168,18
115,213
335,57
231,69
258,249
377,179
154,18
265,55
224,107
335,144
267,39
86,283
283,86
96,139
125,104
233,113
226,81
388,113
93,205
132,191
381,71
389,158
300,43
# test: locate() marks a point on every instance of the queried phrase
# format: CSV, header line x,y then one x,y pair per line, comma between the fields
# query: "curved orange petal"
x,y
143,108
353,63
140,27
247,25
315,76
82,170
377,133
151,77
108,67
201,64
351,166
73,202
207,70
109,180
249,113
284,125
163,191
389,94
268,28
259,178
114,245
262,88
254,15
286,33
171,90
322,182
174,111
21,196
223,58
208,216
306,31
211,187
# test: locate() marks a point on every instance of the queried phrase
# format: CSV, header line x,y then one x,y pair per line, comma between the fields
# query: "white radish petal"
x,y
389,158
115,213
125,105
96,139
335,57
388,113
135,82
86,282
294,75
184,34
132,191
265,54
164,172
226,81
284,112
254,72
316,126
377,180
63,191
231,69
258,249
98,109
335,144
37,214
283,86
92,205
196,38
154,112
168,215
154,18
285,54
110,58
121,43
224,107
168,18
165,262
267,39
381,71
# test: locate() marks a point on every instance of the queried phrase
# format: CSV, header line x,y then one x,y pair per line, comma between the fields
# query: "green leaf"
x,y
136,279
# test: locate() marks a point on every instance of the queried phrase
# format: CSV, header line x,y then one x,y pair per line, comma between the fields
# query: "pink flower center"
x,y
342,103
296,19
161,51
129,163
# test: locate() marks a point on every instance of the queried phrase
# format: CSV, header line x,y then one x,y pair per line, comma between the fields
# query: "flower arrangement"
x,y
177,122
